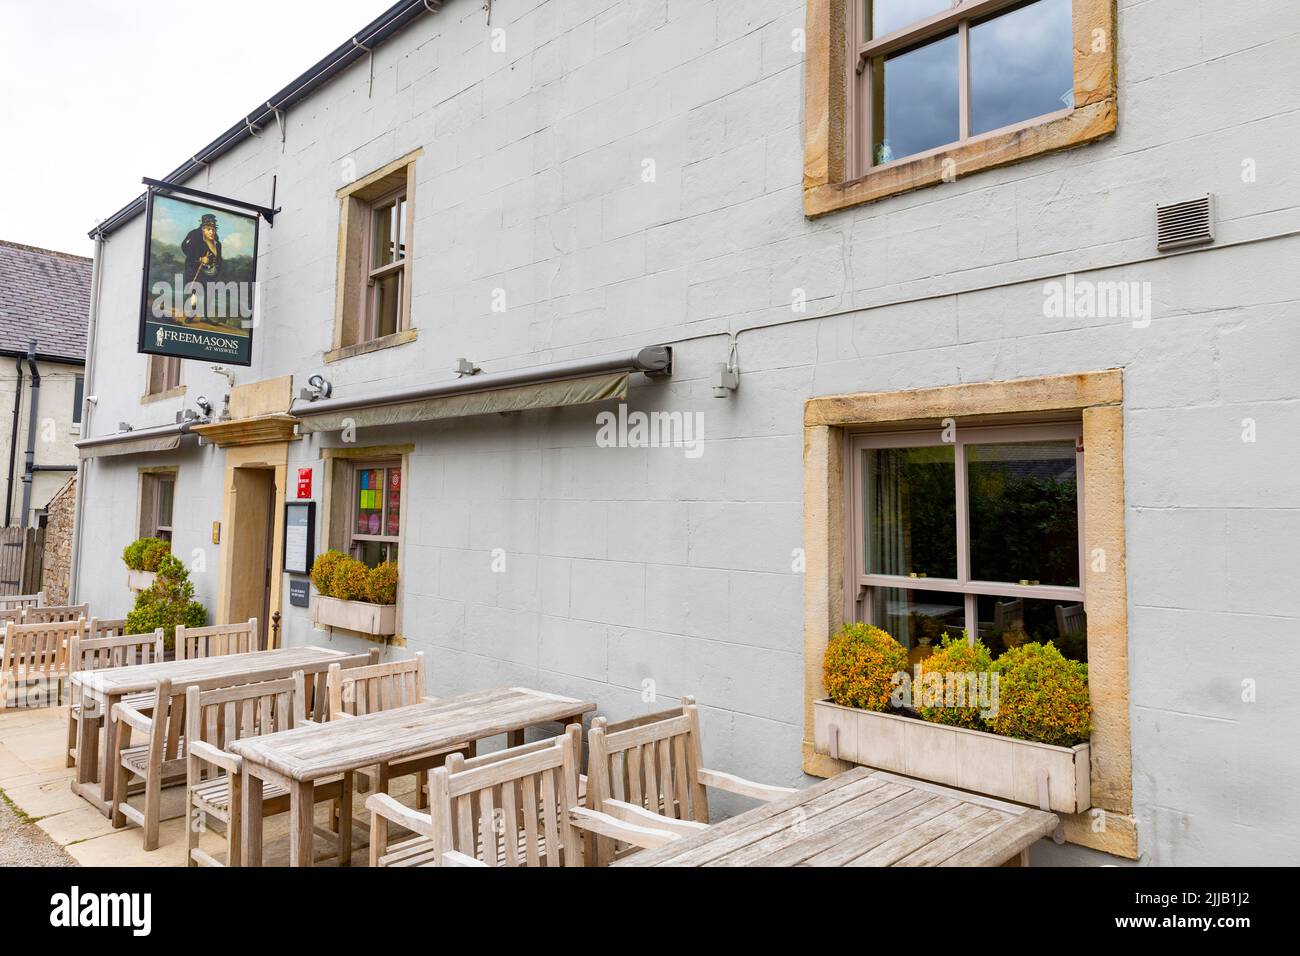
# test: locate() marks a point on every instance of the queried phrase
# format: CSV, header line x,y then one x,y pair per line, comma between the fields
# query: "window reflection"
x,y
911,519
1007,622
919,620
916,100
1021,65
886,16
1024,512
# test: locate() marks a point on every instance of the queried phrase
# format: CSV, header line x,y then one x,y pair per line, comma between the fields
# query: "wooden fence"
x,y
21,554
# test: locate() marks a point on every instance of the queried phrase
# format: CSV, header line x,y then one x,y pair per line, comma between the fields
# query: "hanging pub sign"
x,y
200,276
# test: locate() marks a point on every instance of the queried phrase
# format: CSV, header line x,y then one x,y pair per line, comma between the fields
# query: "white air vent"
x,y
1185,223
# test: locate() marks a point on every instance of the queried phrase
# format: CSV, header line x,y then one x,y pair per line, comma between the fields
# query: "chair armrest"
x,y
605,825
202,750
631,813
129,715
746,788
381,804
456,858
342,715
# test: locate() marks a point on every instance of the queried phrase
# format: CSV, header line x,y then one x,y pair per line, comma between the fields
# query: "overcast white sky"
x,y
95,94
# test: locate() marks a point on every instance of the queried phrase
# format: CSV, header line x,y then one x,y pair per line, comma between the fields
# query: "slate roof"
x,y
43,295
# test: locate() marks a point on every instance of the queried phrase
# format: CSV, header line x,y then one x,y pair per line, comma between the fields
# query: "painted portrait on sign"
x,y
200,281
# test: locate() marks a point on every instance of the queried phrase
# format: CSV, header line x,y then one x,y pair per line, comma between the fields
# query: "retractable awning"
x,y
556,385
135,442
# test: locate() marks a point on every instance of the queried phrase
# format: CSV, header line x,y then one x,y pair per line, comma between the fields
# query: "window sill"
x,y
1083,125
373,345
162,396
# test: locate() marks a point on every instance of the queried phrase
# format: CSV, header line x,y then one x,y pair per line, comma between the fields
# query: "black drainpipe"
x,y
13,443
35,387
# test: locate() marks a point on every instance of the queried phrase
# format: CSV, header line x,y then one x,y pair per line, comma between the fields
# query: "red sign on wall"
x,y
304,482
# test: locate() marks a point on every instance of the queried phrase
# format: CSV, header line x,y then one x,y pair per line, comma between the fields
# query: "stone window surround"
x,y
1098,398
828,124
351,287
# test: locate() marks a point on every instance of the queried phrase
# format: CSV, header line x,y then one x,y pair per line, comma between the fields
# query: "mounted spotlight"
x,y
204,406
317,388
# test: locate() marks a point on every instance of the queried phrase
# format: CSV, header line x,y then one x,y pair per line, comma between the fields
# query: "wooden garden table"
x,y
296,758
864,818
107,686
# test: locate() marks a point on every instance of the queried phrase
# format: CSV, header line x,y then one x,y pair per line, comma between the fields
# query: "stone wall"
x,y
58,544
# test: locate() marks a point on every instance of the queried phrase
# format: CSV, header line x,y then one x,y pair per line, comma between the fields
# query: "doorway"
x,y
252,539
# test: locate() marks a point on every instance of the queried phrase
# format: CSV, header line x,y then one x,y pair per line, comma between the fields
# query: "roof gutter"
x,y
387,25
652,360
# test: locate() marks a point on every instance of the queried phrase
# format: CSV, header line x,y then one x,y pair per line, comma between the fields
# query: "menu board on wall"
x,y
299,536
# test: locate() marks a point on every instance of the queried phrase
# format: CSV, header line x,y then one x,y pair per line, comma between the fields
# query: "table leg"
x,y
345,822
87,739
107,772
301,806
252,835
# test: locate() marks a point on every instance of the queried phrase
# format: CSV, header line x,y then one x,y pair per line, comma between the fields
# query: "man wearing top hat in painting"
x,y
202,251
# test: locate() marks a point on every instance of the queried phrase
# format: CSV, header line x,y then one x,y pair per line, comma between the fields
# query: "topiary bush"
x,y
349,580
957,657
322,569
153,553
381,583
860,664
1042,696
167,602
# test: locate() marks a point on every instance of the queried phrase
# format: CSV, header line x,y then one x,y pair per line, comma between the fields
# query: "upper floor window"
x,y
938,72
373,289
78,398
386,242
908,93
164,374
978,532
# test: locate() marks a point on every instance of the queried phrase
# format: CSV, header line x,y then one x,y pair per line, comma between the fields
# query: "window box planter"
x,y
1018,770
361,616
139,580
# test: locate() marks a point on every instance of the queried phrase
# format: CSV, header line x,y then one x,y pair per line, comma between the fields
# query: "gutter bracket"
x,y
370,91
279,119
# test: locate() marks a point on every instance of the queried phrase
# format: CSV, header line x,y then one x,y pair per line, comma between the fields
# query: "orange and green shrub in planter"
x,y
352,596
1043,696
860,664
955,656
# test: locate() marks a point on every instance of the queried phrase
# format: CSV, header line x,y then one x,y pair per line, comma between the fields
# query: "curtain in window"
x,y
888,538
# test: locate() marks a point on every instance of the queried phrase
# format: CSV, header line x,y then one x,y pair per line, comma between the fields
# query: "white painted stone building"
x,y
586,178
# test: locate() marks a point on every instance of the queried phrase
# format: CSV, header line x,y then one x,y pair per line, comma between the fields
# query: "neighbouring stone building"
x,y
655,339
56,565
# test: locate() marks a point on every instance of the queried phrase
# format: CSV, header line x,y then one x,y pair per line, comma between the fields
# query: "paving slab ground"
x,y
43,823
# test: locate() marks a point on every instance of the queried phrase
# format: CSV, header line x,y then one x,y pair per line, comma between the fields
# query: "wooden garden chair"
x,y
158,762
379,687
18,602
214,776
54,613
650,771
36,653
217,640
516,807
106,627
108,650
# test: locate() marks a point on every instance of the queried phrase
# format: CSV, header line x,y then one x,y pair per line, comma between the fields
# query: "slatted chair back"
x,y
376,687
217,640
37,653
10,602
55,613
221,716
14,614
106,627
1071,620
512,808
93,653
